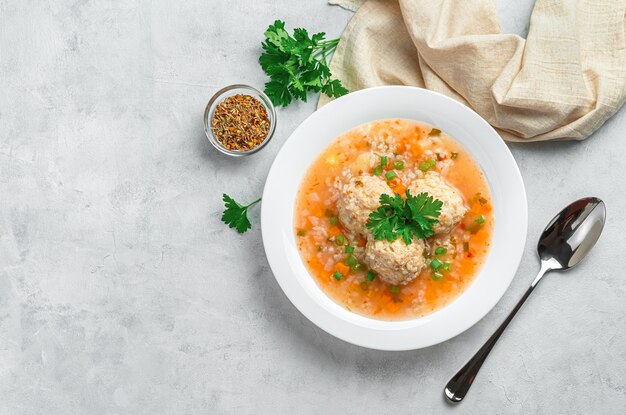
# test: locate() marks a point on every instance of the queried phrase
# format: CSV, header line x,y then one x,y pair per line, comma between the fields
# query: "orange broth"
x,y
317,228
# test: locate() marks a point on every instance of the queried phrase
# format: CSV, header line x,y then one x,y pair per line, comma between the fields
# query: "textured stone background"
x,y
122,293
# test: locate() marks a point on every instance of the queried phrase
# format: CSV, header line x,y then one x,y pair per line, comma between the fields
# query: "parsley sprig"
x,y
297,64
407,218
236,215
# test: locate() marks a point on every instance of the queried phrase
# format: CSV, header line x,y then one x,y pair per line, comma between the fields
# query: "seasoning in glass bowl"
x,y
240,122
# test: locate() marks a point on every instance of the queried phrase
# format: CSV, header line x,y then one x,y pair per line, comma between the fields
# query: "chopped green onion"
x,y
383,161
482,200
364,286
435,264
333,220
434,131
437,276
351,261
349,249
439,157
398,165
328,213
337,275
465,246
424,166
445,266
301,232
432,163
370,276
340,240
378,170
441,251
358,267
477,225
454,155
394,289
390,175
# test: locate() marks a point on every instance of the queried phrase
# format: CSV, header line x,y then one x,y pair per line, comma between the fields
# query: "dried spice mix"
x,y
240,122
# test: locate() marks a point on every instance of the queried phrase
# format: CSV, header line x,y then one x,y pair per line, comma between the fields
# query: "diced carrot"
x,y
334,231
416,150
445,285
466,265
315,264
342,268
316,210
400,189
393,306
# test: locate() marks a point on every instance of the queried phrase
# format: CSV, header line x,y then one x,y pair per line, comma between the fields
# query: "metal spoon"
x,y
565,241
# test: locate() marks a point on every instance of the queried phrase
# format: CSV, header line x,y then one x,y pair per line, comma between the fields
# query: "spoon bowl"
x,y
572,233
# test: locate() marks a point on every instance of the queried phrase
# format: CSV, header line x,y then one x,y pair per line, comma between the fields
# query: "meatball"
x,y
453,208
358,199
395,262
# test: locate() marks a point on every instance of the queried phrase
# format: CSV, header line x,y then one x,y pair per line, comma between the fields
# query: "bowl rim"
x,y
401,334
214,102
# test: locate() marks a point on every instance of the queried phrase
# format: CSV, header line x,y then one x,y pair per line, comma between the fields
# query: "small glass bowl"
x,y
230,91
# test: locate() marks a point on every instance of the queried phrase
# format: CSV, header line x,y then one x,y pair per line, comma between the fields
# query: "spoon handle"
x,y
460,383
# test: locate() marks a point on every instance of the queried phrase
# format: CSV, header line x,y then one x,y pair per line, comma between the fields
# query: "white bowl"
x,y
314,135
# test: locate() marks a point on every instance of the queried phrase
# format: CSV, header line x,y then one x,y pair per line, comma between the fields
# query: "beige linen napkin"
x,y
562,82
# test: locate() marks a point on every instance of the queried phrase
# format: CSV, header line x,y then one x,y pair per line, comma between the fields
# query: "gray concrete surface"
x,y
121,292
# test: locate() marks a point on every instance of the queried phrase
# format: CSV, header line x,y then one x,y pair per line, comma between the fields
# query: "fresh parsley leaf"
x,y
396,202
272,58
382,223
302,37
408,218
424,212
318,38
279,92
297,64
334,89
236,215
276,33
311,78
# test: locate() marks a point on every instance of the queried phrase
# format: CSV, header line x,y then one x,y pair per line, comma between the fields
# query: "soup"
x,y
394,219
